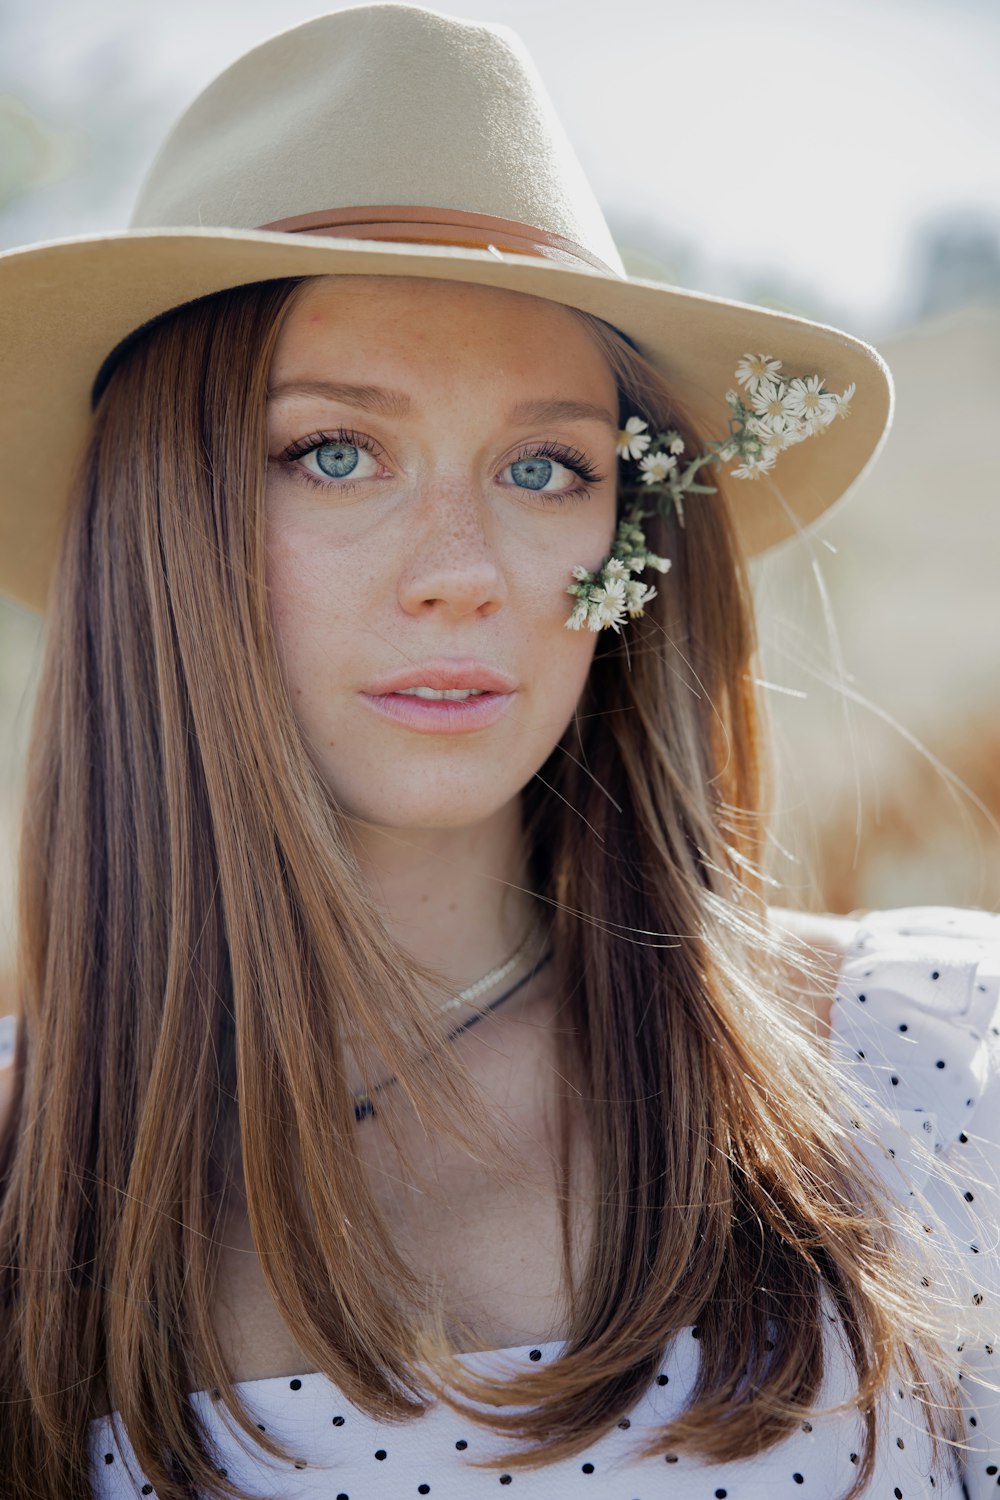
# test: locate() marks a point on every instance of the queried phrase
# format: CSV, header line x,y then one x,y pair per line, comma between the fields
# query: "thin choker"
x,y
364,1109
494,976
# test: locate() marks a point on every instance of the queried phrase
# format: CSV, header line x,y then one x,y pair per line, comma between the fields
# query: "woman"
x,y
410,1065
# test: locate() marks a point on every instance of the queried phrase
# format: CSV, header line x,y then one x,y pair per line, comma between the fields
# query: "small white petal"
x,y
632,440
749,469
656,466
754,368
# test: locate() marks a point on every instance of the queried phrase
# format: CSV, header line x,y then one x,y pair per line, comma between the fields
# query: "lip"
x,y
440,715
444,672
443,715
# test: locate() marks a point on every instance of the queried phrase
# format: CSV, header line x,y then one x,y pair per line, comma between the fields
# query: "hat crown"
x,y
374,105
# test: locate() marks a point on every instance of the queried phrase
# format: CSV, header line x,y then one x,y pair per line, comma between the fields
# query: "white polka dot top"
x,y
917,1007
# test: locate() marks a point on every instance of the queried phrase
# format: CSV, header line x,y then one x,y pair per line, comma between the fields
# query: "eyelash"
x,y
571,458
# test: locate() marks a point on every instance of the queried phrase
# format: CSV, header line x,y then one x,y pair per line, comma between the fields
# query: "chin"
x,y
444,801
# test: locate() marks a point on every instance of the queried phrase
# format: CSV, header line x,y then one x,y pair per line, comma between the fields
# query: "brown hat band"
x,y
440,226
406,222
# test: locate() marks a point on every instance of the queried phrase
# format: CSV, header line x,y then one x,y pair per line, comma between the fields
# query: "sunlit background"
x,y
838,162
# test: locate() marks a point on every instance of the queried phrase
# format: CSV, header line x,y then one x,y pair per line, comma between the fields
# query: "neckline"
x,y
263,1382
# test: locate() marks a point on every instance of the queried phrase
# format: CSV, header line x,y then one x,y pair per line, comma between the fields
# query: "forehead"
x,y
413,319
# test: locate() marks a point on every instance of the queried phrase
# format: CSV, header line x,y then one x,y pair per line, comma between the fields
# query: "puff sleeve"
x,y
917,1011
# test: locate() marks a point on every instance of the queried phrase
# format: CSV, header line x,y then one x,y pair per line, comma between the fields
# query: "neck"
x,y
455,899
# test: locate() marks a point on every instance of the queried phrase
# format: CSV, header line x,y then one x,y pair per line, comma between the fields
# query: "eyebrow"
x,y
543,410
368,397
397,404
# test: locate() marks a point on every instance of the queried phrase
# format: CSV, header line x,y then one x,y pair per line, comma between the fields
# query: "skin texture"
x,y
440,550
436,550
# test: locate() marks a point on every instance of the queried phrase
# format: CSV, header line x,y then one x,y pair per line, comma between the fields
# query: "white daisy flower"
x,y
612,592
578,618
770,399
607,605
753,368
794,435
616,569
773,435
676,443
777,442
632,441
639,595
733,398
661,564
752,467
606,615
581,574
844,401
656,466
840,405
728,452
805,397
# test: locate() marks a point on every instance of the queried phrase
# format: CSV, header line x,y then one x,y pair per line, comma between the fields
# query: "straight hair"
x,y
196,946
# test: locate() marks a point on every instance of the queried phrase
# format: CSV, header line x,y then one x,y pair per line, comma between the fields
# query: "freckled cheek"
x,y
562,657
316,607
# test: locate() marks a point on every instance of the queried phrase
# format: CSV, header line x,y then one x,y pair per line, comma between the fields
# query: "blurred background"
x,y
840,163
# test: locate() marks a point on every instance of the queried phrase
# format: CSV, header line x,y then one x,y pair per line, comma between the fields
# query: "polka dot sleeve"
x,y
918,1010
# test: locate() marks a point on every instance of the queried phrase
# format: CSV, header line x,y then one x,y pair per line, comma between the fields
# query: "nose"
x,y
451,566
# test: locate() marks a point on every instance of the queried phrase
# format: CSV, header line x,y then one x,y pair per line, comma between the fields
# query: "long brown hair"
x,y
196,946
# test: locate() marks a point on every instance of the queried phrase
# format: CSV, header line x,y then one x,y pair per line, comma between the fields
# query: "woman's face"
x,y
439,532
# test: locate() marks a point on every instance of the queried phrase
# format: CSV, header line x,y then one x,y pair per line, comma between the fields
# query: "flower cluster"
x,y
774,414
780,413
606,597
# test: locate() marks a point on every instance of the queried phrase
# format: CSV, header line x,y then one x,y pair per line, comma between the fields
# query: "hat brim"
x,y
65,304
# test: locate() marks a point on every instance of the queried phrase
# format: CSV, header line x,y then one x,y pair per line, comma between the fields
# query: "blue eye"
x,y
337,454
337,459
534,472
353,456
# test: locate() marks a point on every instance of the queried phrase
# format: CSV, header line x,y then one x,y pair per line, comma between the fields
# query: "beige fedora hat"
x,y
382,139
